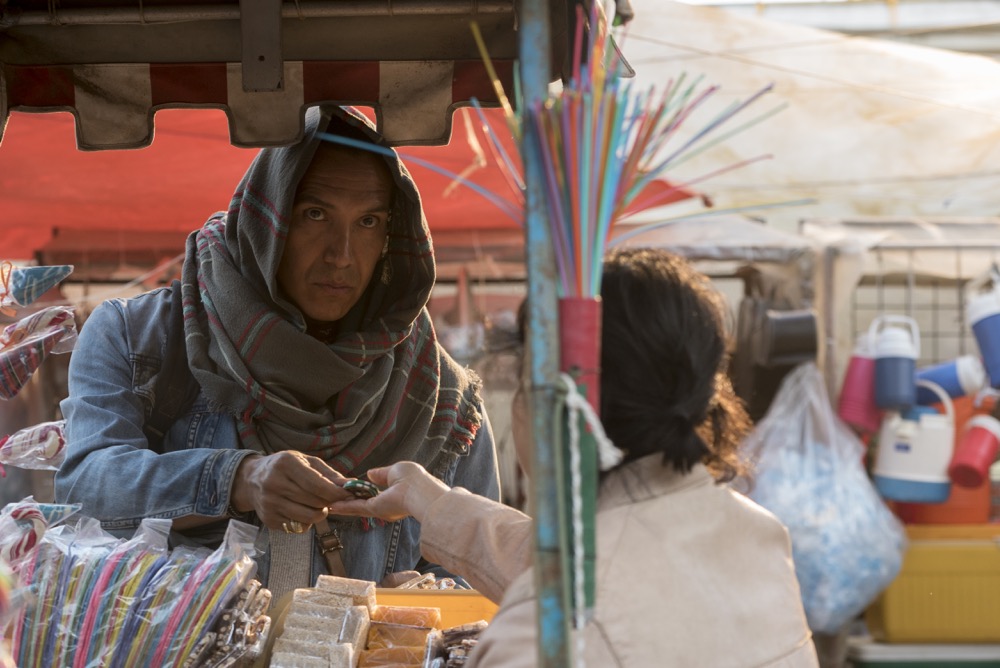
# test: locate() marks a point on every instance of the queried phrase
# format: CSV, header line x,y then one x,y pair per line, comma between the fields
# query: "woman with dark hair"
x,y
689,572
664,328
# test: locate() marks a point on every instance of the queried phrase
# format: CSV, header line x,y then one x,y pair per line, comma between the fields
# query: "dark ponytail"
x,y
663,351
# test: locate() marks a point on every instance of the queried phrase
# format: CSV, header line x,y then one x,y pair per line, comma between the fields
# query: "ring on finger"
x,y
291,526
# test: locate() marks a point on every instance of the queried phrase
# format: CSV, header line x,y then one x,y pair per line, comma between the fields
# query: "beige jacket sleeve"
x,y
487,543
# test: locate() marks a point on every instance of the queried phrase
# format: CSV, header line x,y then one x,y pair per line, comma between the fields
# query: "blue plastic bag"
x,y
807,470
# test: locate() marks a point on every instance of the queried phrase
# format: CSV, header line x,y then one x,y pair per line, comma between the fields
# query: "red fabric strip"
x,y
188,83
347,82
39,86
472,80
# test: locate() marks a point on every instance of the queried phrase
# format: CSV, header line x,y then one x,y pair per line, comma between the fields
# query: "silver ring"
x,y
291,526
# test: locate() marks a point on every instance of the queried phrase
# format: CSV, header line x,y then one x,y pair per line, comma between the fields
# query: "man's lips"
x,y
333,286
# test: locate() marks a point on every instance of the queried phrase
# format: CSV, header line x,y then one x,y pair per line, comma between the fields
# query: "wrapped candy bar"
x,y
41,447
392,656
407,615
354,630
361,592
317,598
240,633
458,641
287,659
382,635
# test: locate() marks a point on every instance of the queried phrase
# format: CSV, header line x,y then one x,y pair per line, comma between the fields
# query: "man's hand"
x,y
409,491
286,486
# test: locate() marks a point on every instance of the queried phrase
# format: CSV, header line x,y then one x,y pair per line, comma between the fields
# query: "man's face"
x,y
337,232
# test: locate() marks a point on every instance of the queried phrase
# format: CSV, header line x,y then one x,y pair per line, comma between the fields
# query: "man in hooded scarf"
x,y
315,359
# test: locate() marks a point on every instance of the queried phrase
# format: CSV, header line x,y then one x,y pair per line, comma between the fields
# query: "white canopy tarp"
x,y
871,127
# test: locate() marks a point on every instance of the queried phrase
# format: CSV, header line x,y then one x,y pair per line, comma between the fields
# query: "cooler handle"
x,y
942,395
893,318
976,284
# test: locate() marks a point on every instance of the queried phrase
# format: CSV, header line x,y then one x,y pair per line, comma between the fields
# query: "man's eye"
x,y
314,213
369,221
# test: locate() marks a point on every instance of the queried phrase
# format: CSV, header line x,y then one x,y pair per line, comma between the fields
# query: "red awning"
x,y
189,172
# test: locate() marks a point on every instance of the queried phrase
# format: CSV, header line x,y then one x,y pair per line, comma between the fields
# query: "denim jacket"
x,y
110,470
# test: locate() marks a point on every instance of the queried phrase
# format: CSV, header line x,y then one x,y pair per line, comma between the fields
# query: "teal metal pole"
x,y
543,342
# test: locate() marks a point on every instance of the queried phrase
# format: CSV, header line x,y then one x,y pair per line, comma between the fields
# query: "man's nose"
x,y
338,246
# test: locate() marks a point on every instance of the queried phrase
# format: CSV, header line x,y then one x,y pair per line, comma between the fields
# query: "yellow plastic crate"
x,y
458,606
948,590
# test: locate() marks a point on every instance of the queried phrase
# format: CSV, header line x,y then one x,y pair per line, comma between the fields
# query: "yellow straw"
x,y
508,111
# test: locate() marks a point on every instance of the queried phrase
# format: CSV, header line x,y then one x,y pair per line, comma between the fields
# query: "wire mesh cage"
x,y
926,269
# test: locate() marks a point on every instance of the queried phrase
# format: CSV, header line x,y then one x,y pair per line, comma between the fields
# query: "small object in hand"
x,y
425,581
292,526
361,489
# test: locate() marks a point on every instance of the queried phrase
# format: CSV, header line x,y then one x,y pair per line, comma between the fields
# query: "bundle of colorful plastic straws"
x,y
601,143
122,604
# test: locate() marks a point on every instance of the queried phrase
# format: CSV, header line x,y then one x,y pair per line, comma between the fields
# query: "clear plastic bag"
x,y
22,525
807,470
53,318
24,345
6,612
41,447
102,602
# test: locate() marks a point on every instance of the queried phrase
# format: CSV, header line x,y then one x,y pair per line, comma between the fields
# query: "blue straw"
x,y
557,220
502,204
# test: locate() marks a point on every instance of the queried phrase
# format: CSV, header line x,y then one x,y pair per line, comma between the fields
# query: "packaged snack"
x,y
382,635
291,659
407,615
355,627
319,597
361,592
392,656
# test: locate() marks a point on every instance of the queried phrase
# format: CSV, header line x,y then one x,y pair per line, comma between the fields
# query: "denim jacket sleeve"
x,y
109,468
478,470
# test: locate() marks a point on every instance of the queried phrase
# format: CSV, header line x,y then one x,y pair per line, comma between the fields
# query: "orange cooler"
x,y
964,506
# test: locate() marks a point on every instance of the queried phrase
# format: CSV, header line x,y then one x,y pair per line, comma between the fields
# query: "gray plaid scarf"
x,y
382,391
